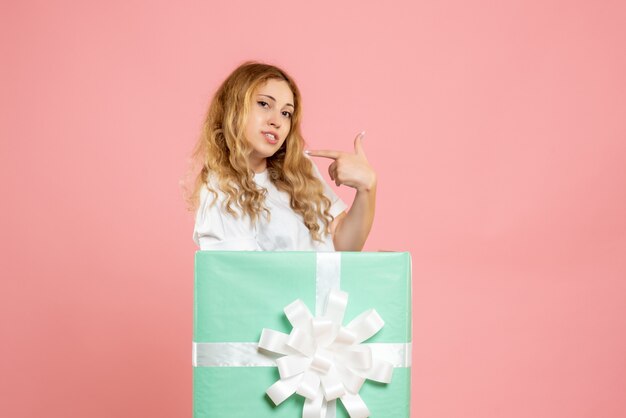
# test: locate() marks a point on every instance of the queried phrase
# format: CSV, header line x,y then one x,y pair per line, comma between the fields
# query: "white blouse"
x,y
216,229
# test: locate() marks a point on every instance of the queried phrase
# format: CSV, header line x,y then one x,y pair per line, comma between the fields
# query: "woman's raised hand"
x,y
351,169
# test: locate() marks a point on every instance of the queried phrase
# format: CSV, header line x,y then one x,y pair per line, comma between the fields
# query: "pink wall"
x,y
498,130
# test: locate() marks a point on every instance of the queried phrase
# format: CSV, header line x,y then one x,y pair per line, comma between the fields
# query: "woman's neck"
x,y
258,166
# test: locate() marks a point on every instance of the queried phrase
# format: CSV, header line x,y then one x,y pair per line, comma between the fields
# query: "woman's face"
x,y
269,121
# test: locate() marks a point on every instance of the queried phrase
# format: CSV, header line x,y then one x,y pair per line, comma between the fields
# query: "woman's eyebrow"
x,y
266,95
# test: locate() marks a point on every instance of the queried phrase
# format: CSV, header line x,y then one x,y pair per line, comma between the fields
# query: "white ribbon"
x,y
323,360
248,355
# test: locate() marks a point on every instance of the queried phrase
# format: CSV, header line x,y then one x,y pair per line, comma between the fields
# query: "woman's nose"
x,y
274,120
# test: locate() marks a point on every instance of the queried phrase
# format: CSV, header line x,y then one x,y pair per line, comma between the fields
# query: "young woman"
x,y
257,188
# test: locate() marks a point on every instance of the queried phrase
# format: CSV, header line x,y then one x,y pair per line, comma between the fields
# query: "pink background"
x,y
498,131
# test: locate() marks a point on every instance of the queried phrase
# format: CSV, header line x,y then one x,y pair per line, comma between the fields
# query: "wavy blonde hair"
x,y
222,153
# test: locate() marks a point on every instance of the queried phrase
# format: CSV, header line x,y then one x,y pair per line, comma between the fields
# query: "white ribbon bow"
x,y
323,360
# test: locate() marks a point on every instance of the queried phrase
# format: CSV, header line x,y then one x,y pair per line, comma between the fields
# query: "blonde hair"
x,y
222,153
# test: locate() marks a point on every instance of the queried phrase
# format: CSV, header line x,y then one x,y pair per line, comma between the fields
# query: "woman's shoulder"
x,y
215,224
209,193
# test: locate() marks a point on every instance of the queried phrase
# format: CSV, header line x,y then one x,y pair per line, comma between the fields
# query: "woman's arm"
x,y
350,230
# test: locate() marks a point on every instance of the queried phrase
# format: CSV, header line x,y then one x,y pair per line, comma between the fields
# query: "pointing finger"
x,y
324,153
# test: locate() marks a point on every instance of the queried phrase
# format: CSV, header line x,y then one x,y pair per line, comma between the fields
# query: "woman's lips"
x,y
270,137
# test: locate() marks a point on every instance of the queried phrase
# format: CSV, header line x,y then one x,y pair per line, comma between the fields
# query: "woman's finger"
x,y
331,171
358,144
325,153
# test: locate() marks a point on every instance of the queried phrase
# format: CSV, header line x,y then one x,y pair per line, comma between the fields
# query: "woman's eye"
x,y
262,103
287,114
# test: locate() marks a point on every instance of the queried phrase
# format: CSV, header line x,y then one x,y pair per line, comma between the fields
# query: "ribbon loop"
x,y
298,314
357,356
309,385
302,341
324,331
283,389
351,380
345,336
332,386
292,365
275,341
314,408
366,325
322,361
381,371
355,406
